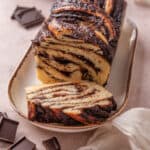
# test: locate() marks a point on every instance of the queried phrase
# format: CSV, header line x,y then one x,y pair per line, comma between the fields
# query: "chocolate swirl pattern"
x,y
78,41
70,103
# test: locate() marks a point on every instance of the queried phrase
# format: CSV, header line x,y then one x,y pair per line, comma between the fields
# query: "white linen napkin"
x,y
129,131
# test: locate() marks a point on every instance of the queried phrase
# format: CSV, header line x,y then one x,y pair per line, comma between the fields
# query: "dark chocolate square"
x,y
17,10
23,144
20,13
29,18
52,144
8,129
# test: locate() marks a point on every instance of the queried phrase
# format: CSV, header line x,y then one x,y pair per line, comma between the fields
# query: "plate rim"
x,y
84,127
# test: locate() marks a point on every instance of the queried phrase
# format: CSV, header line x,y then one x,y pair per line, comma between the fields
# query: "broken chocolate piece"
x,y
23,144
28,17
23,11
52,144
8,129
17,10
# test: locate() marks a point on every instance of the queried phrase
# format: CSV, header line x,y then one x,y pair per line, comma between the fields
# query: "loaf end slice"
x,y
70,103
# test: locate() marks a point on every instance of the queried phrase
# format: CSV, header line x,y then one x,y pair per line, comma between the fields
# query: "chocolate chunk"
x,y
52,144
8,129
28,17
23,11
17,10
23,144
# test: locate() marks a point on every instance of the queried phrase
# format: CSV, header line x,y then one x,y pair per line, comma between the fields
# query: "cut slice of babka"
x,y
70,103
78,41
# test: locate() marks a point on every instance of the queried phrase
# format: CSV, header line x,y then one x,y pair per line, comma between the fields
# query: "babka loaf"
x,y
78,41
70,103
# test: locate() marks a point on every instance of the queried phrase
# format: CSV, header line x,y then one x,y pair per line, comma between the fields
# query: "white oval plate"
x,y
118,83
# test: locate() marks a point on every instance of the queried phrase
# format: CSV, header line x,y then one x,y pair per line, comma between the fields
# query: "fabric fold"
x,y
128,131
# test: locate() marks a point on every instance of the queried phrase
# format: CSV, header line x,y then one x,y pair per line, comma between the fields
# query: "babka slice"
x,y
78,41
70,103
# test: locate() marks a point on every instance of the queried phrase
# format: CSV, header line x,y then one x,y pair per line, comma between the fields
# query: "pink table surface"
x,y
14,41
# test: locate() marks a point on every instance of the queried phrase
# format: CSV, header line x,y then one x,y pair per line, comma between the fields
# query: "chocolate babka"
x,y
78,41
69,103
